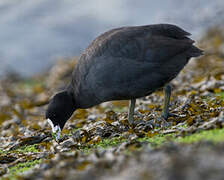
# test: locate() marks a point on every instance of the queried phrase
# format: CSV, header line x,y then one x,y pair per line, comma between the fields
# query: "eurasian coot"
x,y
124,64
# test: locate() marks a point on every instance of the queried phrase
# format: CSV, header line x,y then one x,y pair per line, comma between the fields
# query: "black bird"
x,y
124,64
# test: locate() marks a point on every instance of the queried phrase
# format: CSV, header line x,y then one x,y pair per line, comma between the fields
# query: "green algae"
x,y
1,151
157,140
215,135
27,149
20,168
113,142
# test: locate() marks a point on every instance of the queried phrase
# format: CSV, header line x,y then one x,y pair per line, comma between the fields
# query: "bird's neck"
x,y
72,94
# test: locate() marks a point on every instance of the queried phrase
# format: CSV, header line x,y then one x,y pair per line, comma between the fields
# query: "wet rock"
x,y
4,159
28,141
68,143
3,171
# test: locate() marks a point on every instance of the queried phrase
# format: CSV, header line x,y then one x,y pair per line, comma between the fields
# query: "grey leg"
x,y
131,111
167,91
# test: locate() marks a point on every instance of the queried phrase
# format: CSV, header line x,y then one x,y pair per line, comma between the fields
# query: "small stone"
x,y
68,143
3,171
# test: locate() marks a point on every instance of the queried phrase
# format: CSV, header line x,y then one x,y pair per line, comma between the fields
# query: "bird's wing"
x,y
152,43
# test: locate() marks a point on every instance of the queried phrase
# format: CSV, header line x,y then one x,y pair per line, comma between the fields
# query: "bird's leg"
x,y
131,111
166,114
167,91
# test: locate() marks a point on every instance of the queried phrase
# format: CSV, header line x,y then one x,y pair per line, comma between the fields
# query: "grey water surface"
x,y
36,33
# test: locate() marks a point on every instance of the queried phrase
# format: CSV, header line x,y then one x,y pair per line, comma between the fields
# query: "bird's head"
x,y
60,109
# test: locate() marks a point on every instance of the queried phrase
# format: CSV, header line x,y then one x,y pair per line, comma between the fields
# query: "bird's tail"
x,y
195,52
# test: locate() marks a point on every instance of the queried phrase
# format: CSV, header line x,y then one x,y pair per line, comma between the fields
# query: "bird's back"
x,y
134,40
131,62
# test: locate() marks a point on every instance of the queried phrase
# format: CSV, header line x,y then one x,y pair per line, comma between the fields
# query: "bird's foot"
x,y
163,120
131,121
164,123
167,115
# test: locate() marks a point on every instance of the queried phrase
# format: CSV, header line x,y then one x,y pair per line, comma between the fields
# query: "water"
x,y
34,34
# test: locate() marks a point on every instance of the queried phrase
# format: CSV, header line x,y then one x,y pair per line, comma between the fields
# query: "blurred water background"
x,y
35,34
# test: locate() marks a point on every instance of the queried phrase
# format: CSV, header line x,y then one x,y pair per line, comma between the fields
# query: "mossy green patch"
x,y
185,125
157,140
215,135
20,168
222,95
28,148
1,151
24,149
104,144
112,142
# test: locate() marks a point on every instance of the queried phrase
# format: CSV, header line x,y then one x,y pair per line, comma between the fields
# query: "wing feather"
x,y
153,43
